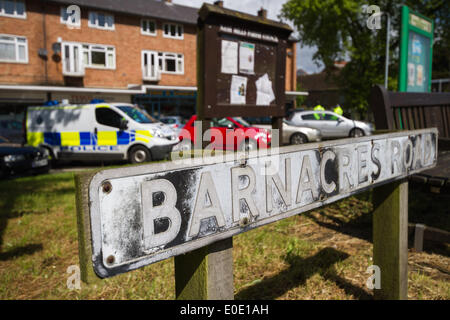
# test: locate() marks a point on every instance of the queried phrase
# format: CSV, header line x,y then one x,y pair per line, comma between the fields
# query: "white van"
x,y
99,131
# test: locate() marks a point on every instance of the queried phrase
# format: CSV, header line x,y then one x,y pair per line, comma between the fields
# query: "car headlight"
x,y
262,136
13,157
44,153
156,133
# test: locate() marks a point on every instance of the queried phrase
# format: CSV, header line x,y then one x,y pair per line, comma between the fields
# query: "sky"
x,y
304,54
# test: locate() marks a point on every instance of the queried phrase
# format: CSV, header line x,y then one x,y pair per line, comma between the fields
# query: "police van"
x,y
98,131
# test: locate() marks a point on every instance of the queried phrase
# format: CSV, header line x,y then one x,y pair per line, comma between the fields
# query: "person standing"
x,y
338,110
318,108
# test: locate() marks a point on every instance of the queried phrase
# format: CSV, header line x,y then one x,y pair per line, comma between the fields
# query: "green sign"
x,y
416,51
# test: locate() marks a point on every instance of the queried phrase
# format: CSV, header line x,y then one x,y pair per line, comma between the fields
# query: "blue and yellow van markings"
x,y
102,138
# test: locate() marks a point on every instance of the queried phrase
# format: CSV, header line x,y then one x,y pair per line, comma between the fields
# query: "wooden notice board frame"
x,y
270,40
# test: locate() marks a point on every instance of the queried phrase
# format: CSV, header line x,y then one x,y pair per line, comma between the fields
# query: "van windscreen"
x,y
136,114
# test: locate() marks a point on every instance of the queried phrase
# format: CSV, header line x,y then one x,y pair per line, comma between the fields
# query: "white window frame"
x,y
148,33
147,69
178,27
14,15
99,48
72,62
68,22
96,26
16,48
163,56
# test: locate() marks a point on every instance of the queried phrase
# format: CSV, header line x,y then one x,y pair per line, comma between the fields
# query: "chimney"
x,y
219,3
262,13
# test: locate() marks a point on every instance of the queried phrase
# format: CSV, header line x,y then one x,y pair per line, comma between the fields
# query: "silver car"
x,y
331,125
175,122
294,134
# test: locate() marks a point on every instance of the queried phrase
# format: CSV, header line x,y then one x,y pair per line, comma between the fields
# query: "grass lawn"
x,y
322,254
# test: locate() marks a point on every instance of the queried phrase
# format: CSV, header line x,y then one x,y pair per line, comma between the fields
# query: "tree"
x,y
300,99
338,28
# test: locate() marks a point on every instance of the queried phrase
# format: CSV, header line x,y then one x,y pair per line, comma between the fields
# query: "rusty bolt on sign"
x,y
110,259
244,222
106,187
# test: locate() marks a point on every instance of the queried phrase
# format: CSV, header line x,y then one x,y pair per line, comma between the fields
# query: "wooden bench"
x,y
409,111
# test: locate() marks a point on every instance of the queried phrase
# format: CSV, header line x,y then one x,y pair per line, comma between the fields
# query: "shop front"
x,y
160,103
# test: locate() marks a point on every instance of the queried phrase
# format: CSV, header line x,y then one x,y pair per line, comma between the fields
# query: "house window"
x,y
172,30
99,56
12,8
148,27
72,59
101,20
71,19
150,66
171,62
13,49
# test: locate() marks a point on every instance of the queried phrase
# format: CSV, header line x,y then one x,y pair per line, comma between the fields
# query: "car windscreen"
x,y
258,120
242,122
222,123
168,120
136,114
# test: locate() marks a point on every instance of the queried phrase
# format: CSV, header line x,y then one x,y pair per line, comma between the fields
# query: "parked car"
x,y
11,130
99,131
175,122
291,134
15,158
247,139
330,124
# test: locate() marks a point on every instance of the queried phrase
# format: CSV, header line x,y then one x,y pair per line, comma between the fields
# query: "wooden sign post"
x,y
390,239
241,70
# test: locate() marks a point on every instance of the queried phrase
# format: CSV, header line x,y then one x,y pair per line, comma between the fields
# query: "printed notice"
x,y
419,75
264,91
411,74
238,90
247,58
229,57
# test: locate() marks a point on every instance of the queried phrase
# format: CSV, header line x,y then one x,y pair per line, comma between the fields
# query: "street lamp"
x,y
386,68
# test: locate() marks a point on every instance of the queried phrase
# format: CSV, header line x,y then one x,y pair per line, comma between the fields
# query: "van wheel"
x,y
139,154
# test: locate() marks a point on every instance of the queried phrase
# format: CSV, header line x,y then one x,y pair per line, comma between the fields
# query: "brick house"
x,y
140,51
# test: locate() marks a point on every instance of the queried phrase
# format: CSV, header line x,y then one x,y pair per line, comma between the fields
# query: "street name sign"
x,y
143,214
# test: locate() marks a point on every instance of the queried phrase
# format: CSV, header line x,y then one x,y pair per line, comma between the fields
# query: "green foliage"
x,y
338,28
300,99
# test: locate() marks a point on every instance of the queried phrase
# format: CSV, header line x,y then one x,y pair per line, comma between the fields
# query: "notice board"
x,y
241,64
416,52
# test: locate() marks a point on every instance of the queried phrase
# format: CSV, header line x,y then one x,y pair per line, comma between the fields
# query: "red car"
x,y
228,134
